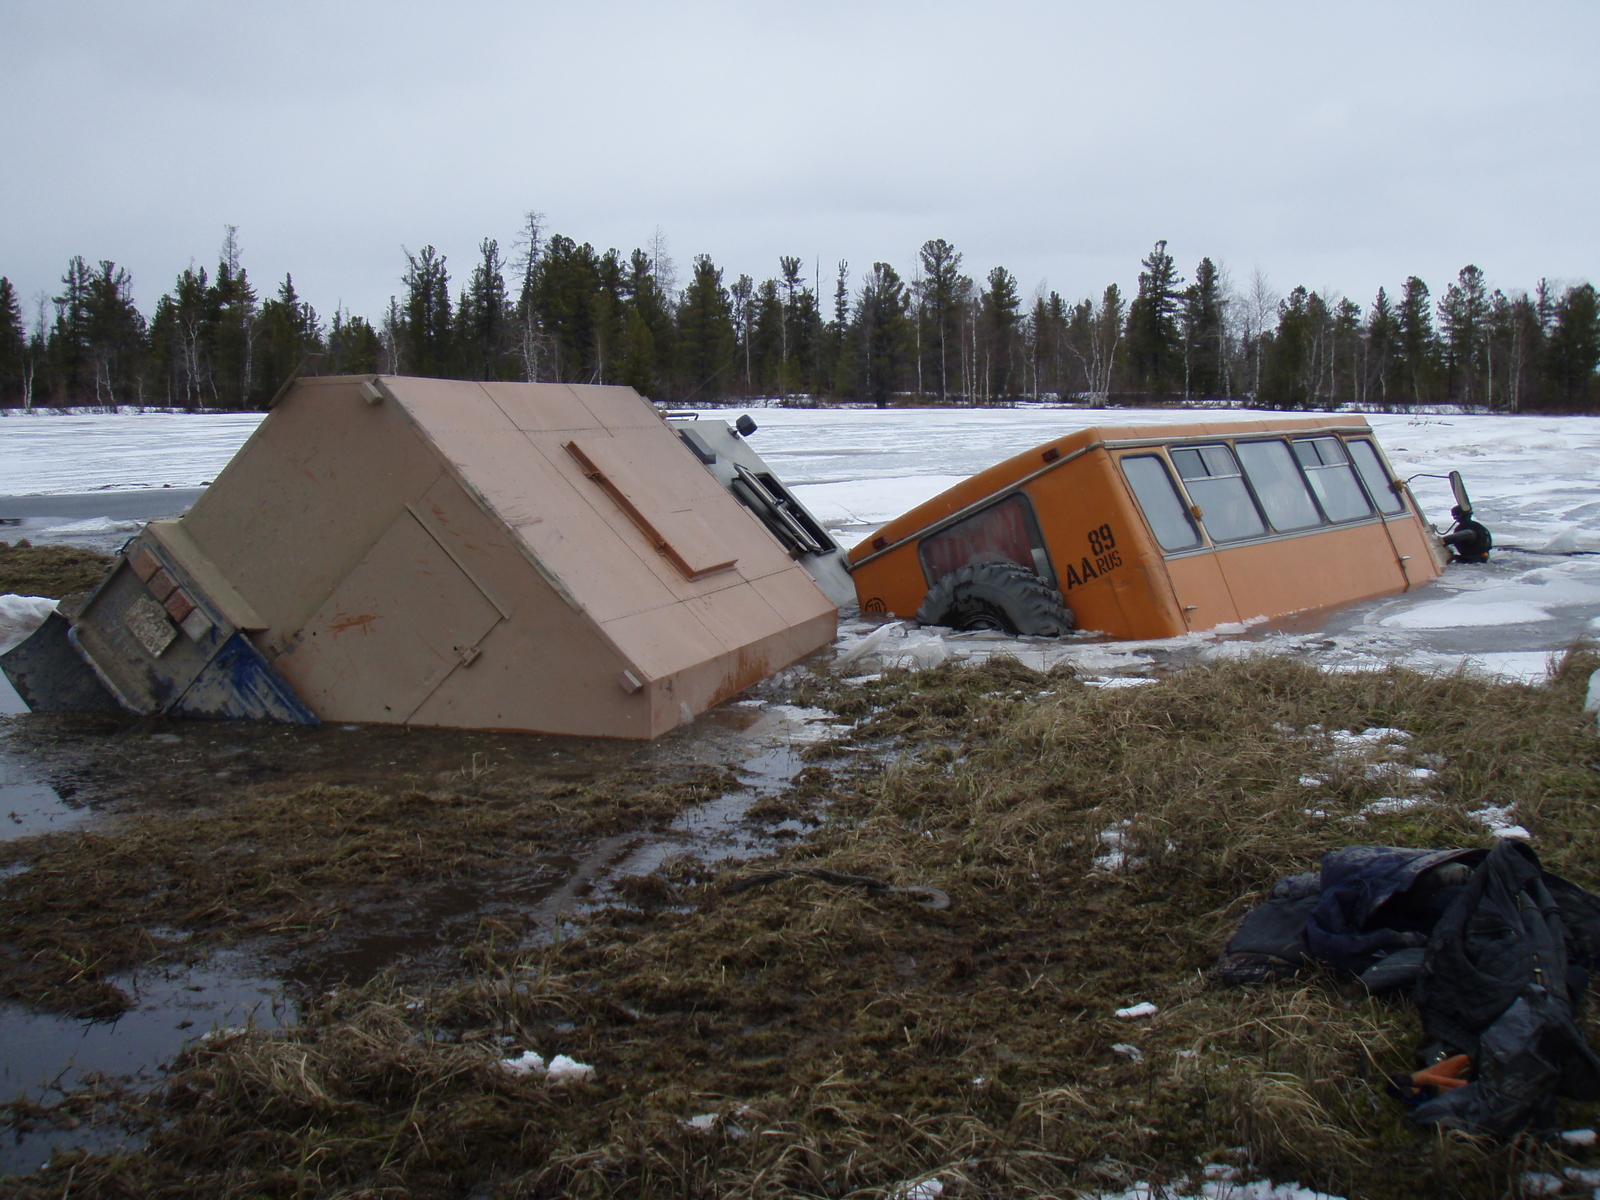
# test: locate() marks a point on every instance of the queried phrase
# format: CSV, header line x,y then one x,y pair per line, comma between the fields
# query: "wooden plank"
x,y
670,523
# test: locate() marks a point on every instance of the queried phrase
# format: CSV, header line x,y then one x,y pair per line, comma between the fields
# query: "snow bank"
x,y
20,616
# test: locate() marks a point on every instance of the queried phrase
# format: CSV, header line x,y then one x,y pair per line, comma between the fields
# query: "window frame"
x,y
1287,442
1202,539
1039,548
1348,464
1226,443
1390,478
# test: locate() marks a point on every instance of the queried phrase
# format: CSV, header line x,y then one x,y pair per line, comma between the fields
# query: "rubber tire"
x,y
996,595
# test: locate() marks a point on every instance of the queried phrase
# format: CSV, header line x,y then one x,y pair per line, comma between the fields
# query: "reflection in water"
x,y
29,806
45,1055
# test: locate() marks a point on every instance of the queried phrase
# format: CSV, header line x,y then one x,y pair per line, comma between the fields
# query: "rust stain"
x,y
345,624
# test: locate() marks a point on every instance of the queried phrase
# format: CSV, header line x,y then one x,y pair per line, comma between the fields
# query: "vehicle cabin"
x,y
1158,531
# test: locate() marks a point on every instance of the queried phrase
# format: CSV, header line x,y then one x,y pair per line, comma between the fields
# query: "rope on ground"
x,y
926,896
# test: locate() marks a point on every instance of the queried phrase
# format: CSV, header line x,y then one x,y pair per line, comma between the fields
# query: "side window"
x,y
1164,509
1374,476
1216,484
1003,532
1279,485
1328,468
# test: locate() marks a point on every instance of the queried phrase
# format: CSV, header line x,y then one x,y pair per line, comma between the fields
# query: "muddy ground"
x,y
433,905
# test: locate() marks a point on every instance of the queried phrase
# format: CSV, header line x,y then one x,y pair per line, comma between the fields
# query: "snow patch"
x,y
1224,1185
526,1063
567,1070
20,616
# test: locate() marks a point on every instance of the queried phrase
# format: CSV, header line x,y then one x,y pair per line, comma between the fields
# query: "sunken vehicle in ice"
x,y
1153,532
540,557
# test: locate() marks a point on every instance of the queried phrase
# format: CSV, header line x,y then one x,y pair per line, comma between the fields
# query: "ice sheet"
x,y
1532,481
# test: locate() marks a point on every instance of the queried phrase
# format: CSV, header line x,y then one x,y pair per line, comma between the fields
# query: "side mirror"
x,y
745,425
1463,501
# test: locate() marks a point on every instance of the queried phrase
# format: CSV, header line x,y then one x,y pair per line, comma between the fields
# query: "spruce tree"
x,y
882,330
1463,315
1000,305
1155,345
1415,346
1287,353
705,333
13,343
229,332
289,330
1205,358
1380,337
1573,350
647,300
941,274
114,334
354,346
484,328
427,346
70,370
767,338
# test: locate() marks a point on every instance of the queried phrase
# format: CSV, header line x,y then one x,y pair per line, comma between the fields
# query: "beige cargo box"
x,y
538,557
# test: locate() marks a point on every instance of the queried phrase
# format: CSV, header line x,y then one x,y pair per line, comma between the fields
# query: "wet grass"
x,y
53,571
849,1043
161,885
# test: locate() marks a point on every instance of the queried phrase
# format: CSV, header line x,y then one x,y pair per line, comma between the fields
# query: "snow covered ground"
x,y
1532,479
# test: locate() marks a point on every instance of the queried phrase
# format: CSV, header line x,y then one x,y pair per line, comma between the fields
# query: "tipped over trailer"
x,y
1158,531
540,557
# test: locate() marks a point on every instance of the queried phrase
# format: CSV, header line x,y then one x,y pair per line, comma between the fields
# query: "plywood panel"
x,y
794,595
643,486
541,407
390,633
307,496
618,408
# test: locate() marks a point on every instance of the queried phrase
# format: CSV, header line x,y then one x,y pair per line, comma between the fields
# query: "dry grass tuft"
x,y
53,571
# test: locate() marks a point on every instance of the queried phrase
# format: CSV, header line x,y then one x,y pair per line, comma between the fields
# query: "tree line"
x,y
559,310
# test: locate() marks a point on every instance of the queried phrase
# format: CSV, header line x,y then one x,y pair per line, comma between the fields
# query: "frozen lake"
x,y
1533,481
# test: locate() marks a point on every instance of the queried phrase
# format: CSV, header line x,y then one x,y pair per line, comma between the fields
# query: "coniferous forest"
x,y
556,309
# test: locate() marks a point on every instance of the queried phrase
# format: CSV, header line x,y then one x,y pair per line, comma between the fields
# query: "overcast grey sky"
x,y
1337,145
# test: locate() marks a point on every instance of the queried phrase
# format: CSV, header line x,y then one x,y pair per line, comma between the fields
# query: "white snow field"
x,y
1535,481
44,453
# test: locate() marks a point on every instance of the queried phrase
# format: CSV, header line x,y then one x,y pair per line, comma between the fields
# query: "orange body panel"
x,y
1092,540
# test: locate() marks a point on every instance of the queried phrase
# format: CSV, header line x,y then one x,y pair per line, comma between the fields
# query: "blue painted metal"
x,y
238,684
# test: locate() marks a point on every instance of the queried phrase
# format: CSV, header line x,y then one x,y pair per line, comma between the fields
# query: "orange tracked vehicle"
x,y
1158,531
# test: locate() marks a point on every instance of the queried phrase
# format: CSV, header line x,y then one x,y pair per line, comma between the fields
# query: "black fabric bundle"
x,y
1497,951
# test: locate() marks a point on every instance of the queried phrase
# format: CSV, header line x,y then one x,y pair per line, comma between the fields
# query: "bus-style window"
x,y
1375,477
1215,483
1003,532
1278,484
1328,468
1163,507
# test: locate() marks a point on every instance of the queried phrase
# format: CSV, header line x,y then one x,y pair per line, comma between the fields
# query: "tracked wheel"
x,y
996,595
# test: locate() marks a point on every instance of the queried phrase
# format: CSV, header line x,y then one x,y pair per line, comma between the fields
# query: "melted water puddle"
x,y
28,805
45,1056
